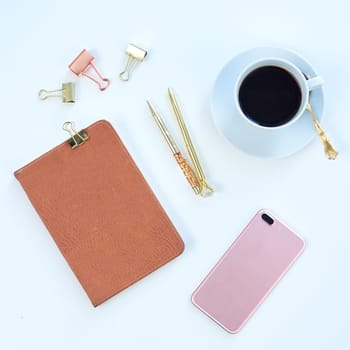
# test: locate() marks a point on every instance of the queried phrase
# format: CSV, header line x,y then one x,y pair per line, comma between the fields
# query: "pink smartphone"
x,y
247,272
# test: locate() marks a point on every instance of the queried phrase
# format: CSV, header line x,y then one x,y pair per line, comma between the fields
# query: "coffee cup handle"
x,y
314,83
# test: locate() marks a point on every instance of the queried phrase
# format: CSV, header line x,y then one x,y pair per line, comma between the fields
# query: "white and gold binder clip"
x,y
77,138
135,55
67,93
83,63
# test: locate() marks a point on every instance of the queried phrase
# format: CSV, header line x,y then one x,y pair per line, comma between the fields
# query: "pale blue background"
x,y
42,304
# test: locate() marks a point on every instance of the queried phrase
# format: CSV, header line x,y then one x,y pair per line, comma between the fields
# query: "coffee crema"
x,y
269,96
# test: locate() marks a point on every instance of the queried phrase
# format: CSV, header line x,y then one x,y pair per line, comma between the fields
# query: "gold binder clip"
x,y
67,93
135,55
77,138
82,63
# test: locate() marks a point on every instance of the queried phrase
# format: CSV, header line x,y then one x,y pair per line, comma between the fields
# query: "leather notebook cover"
x,y
101,212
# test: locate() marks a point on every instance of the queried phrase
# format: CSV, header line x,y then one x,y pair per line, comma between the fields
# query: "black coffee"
x,y
270,96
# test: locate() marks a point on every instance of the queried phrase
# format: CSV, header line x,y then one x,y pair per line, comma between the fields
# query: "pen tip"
x,y
151,108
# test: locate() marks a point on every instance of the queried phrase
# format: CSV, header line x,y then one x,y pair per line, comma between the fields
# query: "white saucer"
x,y
266,143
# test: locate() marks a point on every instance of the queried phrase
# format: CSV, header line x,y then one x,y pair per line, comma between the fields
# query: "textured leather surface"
x,y
101,212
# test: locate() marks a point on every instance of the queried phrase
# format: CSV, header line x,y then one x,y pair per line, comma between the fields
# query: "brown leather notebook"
x,y
101,212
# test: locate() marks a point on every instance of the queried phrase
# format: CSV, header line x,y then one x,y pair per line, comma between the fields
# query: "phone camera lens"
x,y
267,219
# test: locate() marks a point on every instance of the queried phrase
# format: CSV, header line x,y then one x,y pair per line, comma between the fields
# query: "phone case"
x,y
248,271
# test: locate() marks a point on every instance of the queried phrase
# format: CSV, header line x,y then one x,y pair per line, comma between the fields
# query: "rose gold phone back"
x,y
247,272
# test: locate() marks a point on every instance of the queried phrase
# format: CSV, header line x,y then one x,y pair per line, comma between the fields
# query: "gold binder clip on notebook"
x,y
67,93
135,55
77,138
195,177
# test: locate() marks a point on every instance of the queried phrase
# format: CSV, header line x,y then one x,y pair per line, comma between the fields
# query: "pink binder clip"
x,y
82,63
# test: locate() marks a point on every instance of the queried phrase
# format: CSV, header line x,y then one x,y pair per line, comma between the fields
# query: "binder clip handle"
x,y
124,75
45,94
102,83
129,67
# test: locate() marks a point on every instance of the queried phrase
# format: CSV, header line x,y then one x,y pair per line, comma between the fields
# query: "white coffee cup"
x,y
306,85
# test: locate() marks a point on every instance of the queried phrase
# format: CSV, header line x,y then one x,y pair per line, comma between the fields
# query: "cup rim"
x,y
300,79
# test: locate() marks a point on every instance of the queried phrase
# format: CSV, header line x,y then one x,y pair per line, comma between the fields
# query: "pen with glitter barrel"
x,y
186,169
203,186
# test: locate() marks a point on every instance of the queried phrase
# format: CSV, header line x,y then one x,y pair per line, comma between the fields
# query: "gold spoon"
x,y
329,150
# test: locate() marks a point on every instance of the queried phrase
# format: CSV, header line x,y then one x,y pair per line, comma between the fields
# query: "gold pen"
x,y
186,169
189,145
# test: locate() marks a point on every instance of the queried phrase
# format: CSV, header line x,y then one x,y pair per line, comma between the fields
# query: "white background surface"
x,y
42,304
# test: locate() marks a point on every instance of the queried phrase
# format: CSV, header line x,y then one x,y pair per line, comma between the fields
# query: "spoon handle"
x,y
329,150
